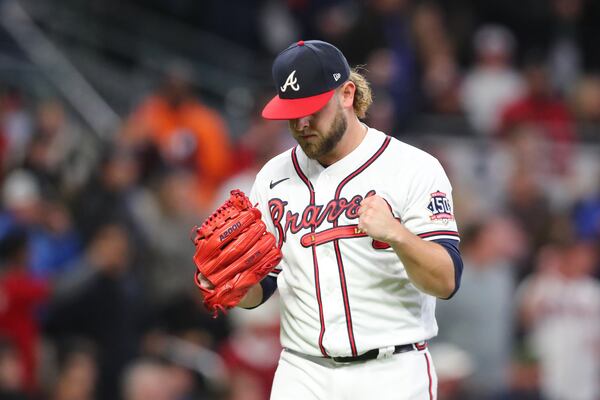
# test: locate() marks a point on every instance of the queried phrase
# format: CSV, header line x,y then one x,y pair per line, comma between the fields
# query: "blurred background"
x,y
124,123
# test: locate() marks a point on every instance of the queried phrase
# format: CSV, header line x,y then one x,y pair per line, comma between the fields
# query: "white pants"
x,y
404,376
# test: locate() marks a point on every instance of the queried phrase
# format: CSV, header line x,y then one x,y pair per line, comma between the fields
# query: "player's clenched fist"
x,y
376,220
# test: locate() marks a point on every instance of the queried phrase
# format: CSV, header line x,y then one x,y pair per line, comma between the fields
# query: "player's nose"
x,y
300,124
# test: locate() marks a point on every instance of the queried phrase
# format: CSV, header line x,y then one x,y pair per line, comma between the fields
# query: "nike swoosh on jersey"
x,y
273,184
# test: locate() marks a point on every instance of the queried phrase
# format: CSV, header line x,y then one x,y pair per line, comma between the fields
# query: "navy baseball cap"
x,y
306,75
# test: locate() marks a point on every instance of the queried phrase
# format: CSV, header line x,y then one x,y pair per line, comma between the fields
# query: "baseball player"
x,y
365,227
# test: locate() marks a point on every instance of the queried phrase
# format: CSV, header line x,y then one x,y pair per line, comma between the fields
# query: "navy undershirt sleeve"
x,y
269,285
451,247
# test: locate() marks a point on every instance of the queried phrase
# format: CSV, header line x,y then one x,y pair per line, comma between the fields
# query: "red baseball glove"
x,y
234,252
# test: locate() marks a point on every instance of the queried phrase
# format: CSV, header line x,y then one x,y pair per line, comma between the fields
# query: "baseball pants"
x,y
404,376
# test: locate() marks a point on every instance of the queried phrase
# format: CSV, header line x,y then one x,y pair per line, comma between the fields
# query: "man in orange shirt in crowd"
x,y
185,132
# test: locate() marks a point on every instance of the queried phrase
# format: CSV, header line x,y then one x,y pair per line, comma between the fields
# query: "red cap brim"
x,y
279,108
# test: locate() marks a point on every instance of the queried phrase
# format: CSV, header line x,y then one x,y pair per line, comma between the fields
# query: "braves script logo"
x,y
292,82
313,215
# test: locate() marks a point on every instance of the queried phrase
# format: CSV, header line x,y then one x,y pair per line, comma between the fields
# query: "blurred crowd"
x,y
97,300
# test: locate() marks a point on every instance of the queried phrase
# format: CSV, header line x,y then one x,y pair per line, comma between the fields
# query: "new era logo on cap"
x,y
306,75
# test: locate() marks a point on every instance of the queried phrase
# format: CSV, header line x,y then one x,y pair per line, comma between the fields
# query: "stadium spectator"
x,y
385,27
560,303
251,353
147,380
185,132
527,201
53,240
102,302
113,193
166,229
565,58
12,385
585,100
492,82
541,109
440,72
22,295
57,154
77,371
586,218
15,126
480,317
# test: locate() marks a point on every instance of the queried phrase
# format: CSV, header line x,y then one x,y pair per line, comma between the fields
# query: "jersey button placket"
x,y
333,303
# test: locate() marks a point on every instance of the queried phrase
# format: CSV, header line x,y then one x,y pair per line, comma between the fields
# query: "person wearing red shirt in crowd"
x,y
251,353
20,295
540,111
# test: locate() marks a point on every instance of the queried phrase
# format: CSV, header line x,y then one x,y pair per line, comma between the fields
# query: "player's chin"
x,y
312,150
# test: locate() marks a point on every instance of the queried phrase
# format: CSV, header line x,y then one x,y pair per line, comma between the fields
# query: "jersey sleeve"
x,y
428,211
258,197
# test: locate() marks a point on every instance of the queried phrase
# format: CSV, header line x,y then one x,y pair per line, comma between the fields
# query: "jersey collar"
x,y
369,145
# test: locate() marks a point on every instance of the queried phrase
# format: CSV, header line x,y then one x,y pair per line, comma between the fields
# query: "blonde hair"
x,y
363,98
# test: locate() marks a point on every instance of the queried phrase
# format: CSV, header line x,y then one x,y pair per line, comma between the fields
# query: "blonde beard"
x,y
327,143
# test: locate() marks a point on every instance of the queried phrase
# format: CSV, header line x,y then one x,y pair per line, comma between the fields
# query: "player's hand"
x,y
205,282
376,219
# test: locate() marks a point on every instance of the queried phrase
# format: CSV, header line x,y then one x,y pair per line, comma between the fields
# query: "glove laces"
x,y
237,201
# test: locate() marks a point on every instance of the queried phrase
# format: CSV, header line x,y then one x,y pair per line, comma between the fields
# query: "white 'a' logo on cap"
x,y
292,82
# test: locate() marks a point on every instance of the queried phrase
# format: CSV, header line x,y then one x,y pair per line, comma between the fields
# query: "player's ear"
x,y
347,91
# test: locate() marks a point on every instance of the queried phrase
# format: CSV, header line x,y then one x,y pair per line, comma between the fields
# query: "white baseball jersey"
x,y
567,311
342,293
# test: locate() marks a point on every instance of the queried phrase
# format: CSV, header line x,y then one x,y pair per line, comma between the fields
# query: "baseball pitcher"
x,y
353,227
